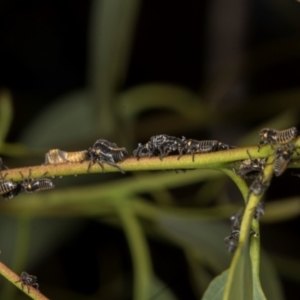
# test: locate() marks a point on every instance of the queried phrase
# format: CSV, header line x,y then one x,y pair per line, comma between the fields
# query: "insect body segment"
x,y
28,280
193,146
274,136
283,157
106,152
57,156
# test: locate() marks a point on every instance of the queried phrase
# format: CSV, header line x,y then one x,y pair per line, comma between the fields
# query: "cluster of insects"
x,y
162,145
282,143
28,280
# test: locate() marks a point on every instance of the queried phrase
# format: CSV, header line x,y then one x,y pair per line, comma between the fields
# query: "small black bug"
x,y
31,185
274,136
57,156
7,188
106,152
231,241
259,210
193,147
251,168
28,280
258,186
161,145
283,157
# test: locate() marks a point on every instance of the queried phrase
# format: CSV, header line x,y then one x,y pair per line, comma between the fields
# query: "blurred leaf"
x,y
139,251
206,238
269,278
215,290
64,123
167,96
282,210
112,28
6,114
159,291
240,282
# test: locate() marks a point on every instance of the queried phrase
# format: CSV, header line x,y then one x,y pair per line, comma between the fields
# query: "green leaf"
x,y
215,290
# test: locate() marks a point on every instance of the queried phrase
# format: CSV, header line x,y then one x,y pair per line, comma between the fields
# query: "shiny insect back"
x,y
57,156
104,151
31,185
283,158
159,145
7,189
273,136
28,280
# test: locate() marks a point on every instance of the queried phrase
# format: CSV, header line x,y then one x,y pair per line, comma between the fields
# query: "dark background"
x,y
236,56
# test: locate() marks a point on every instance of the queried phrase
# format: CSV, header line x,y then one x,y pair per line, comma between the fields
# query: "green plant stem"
x,y
13,277
213,160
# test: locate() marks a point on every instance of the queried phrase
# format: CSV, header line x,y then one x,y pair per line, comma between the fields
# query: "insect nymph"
x,y
28,280
273,136
104,151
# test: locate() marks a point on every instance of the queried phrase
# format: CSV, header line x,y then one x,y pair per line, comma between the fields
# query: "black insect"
x,y
28,185
57,156
161,145
31,185
258,186
28,280
274,136
259,210
106,152
231,241
251,168
283,157
193,147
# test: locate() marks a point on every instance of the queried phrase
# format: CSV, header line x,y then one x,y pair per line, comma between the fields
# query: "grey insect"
x,y
31,185
231,241
193,147
283,158
273,136
159,145
57,156
251,168
7,188
28,280
258,186
104,151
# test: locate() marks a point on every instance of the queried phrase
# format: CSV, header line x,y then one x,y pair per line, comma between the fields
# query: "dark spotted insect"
x,y
28,280
258,186
159,145
31,185
193,147
231,241
283,158
57,156
273,136
7,187
106,152
251,168
259,210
